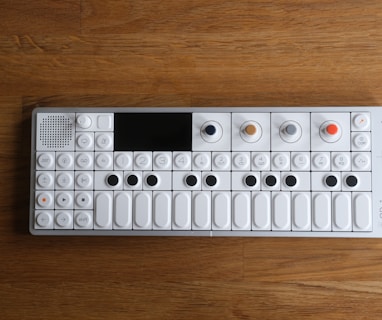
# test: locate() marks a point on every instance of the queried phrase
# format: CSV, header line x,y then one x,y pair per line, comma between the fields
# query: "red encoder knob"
x,y
332,129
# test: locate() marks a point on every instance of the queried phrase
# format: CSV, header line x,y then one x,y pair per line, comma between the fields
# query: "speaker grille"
x,y
56,131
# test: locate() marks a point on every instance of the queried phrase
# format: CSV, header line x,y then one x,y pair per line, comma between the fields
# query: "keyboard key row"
x,y
203,210
203,180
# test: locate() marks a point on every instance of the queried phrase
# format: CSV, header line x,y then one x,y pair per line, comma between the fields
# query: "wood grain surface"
x,y
181,53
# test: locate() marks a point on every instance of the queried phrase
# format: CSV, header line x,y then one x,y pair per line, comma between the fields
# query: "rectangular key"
x,y
122,210
162,210
322,211
301,211
341,203
142,210
221,210
261,210
362,215
281,210
241,215
182,210
201,210
103,209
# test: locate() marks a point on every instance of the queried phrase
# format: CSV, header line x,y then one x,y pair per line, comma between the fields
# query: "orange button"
x,y
332,129
250,129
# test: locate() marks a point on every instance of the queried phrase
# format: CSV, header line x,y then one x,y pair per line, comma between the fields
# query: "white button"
x,y
241,215
162,161
45,200
221,161
103,208
104,161
241,161
182,210
341,161
261,211
300,161
322,211
361,141
43,220
142,210
221,211
83,220
260,161
201,161
123,210
84,121
84,200
201,210
84,180
142,161
182,161
44,180
281,211
123,160
362,161
280,161
45,160
64,200
161,210
104,141
342,211
105,122
301,215
64,180
84,141
362,211
64,220
84,161
361,122
321,161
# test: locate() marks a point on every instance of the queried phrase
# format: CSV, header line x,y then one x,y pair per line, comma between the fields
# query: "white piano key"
x,y
362,211
322,211
142,212
261,210
341,202
241,215
281,208
123,210
103,209
201,210
301,211
162,210
221,210
181,210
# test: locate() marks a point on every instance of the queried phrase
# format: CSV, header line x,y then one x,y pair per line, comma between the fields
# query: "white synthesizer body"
x,y
275,171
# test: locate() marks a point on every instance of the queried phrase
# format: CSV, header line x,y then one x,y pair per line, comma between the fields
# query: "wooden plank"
x,y
39,17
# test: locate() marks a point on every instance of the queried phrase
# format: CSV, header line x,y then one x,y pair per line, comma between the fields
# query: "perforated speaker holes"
x,y
56,131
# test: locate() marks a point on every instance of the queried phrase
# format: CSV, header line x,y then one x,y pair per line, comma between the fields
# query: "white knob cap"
x,y
84,121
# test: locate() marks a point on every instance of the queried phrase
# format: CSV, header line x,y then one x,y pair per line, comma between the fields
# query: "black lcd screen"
x,y
152,131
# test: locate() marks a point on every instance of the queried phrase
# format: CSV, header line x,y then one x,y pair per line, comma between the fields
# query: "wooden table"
x,y
181,53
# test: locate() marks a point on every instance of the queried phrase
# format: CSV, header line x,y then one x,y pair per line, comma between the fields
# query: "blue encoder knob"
x,y
210,130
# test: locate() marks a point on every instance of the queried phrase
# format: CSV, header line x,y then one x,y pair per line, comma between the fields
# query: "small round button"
x,y
84,121
84,161
63,219
261,161
43,219
84,180
211,180
351,181
64,160
132,180
241,161
83,219
44,180
290,181
162,161
85,141
45,160
64,180
361,141
64,200
250,180
210,129
361,121
182,161
152,180
83,199
361,161
202,161
112,180
103,160
270,181
123,161
331,181
191,180
103,141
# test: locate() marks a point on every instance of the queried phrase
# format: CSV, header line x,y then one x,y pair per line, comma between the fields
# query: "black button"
x,y
191,180
270,181
331,181
112,180
351,181
132,180
250,181
290,181
211,181
152,180
210,130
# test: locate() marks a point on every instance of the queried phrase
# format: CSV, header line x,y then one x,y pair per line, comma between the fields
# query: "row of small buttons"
x,y
222,161
161,210
205,180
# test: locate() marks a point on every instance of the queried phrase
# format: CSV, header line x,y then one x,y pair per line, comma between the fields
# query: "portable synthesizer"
x,y
275,171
